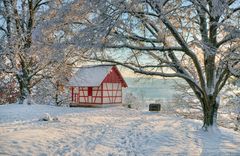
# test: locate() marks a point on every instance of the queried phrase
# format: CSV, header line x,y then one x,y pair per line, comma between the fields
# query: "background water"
x,y
152,89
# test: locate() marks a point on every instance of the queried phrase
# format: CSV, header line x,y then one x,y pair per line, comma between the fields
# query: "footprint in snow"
x,y
14,142
42,154
124,141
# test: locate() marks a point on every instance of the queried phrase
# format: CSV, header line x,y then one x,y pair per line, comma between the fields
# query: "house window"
x,y
89,91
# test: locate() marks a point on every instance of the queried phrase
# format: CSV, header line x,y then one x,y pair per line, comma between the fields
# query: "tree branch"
x,y
4,30
233,35
181,42
144,48
138,38
140,70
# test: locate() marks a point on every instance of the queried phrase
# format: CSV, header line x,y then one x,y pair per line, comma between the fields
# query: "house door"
x,y
89,94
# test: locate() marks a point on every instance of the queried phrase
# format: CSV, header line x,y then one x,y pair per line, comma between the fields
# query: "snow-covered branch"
x,y
144,47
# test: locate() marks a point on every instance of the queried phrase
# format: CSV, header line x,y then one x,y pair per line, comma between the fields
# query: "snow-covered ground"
x,y
107,132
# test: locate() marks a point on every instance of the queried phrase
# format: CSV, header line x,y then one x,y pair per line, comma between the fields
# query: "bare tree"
x,y
32,37
196,40
20,56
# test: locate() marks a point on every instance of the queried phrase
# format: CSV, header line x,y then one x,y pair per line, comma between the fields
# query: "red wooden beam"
x,y
102,93
72,88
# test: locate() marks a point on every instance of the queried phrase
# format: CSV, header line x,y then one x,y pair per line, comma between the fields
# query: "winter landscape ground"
x,y
43,43
107,131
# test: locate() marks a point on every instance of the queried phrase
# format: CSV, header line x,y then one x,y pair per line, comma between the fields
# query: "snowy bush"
x,y
229,109
8,89
28,100
132,101
47,92
231,97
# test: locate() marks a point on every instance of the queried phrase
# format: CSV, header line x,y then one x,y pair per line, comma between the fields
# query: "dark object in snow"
x,y
237,123
154,107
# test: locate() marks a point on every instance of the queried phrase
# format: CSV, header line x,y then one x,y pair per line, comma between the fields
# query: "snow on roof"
x,y
90,75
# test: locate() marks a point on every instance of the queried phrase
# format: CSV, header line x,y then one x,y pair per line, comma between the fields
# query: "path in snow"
x,y
111,131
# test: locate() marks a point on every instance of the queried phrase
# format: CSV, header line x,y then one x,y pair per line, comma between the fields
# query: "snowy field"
x,y
107,132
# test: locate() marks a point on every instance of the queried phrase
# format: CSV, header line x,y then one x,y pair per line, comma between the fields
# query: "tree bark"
x,y
210,108
24,87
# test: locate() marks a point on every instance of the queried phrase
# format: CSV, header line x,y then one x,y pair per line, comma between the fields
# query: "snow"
x,y
107,131
19,113
90,75
219,6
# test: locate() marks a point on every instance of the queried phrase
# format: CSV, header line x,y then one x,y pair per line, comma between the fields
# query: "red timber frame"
x,y
109,92
112,93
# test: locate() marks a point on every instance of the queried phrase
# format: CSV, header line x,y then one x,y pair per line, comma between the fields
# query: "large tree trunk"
x,y
24,86
210,109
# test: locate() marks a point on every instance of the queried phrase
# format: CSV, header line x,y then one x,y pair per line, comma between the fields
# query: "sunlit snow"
x,y
107,131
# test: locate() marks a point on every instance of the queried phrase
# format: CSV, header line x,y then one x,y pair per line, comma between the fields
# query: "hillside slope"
x,y
107,131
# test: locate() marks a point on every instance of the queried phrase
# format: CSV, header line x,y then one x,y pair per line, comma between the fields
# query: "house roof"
x,y
90,75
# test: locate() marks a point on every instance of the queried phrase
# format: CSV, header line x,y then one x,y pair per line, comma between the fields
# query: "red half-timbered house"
x,y
96,85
